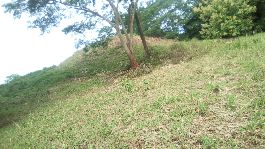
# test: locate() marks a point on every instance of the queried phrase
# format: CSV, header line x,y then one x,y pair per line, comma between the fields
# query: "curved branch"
x,y
116,13
89,11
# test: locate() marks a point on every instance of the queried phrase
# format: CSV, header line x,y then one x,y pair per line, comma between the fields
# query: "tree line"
x,y
203,18
173,19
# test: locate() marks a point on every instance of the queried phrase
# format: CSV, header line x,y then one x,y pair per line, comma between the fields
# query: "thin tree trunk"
x,y
130,55
131,23
138,19
126,45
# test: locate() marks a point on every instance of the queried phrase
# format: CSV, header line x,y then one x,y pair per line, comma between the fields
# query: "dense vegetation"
x,y
203,18
228,18
205,94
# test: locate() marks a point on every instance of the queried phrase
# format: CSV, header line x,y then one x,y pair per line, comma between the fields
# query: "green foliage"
x,y
146,85
192,24
192,27
166,18
208,142
225,18
213,87
104,36
259,16
258,103
79,27
11,78
47,14
259,75
203,107
128,85
231,102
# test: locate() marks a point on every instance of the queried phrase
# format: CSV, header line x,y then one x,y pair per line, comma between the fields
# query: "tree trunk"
x,y
138,19
126,44
131,21
130,55
129,52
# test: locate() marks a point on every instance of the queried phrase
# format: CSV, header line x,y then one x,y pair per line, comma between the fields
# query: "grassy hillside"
x,y
194,94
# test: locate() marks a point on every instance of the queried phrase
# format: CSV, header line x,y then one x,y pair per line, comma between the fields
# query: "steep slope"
x,y
196,94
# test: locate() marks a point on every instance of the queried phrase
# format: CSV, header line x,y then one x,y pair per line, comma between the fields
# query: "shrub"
x,y
11,78
225,18
259,16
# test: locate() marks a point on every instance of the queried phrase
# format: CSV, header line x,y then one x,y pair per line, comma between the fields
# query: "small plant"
x,y
202,109
214,88
146,85
208,142
158,103
128,85
231,102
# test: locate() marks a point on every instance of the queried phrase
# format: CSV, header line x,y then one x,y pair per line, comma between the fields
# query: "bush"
x,y
225,18
11,78
259,16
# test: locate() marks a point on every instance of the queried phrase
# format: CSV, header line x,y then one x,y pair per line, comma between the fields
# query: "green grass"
x,y
193,94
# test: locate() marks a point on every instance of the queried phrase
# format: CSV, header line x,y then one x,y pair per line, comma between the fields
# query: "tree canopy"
x,y
167,18
177,19
46,14
227,18
259,15
157,18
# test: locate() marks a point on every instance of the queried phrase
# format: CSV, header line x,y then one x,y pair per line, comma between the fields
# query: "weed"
x,y
231,102
208,142
214,88
202,108
158,103
128,85
146,85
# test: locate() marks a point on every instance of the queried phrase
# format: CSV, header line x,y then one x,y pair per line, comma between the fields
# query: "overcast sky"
x,y
24,50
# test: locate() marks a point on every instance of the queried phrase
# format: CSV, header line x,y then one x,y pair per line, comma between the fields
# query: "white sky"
x,y
24,50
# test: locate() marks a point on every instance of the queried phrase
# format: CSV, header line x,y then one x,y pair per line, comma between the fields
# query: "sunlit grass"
x,y
196,94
